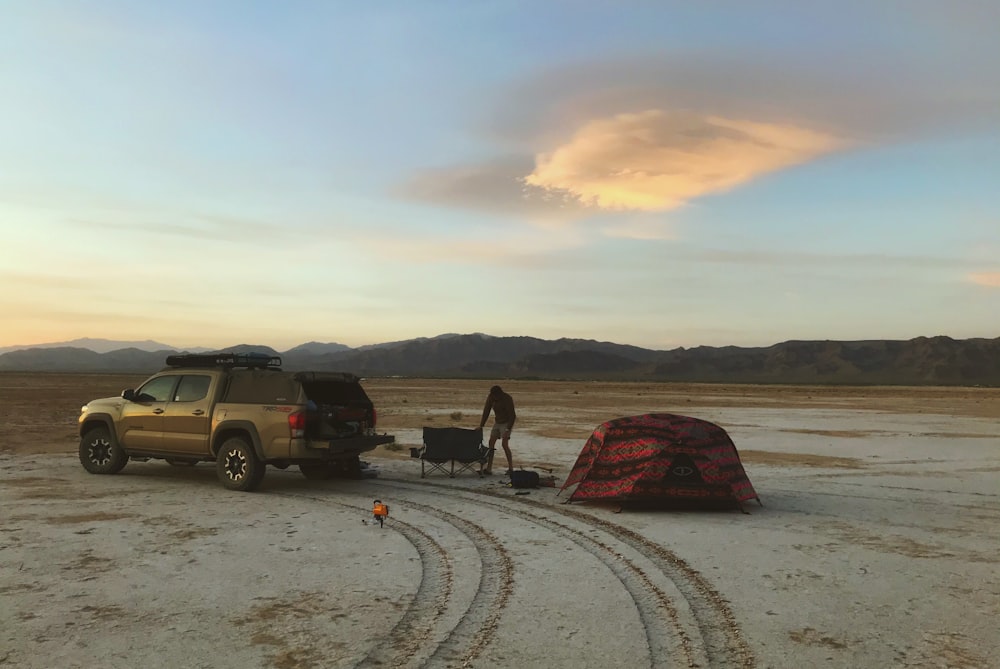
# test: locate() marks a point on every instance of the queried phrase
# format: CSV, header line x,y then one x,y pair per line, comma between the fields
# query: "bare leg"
x,y
506,449
489,462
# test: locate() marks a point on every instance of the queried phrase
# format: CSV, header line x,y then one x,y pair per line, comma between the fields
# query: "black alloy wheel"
x,y
100,453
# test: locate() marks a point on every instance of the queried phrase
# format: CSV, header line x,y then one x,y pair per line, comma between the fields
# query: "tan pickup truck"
x,y
240,411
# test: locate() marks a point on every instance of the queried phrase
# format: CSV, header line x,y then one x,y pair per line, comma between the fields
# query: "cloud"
x,y
654,160
496,186
988,279
658,160
867,92
653,129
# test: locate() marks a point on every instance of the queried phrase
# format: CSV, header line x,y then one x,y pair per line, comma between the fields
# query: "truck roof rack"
x,y
228,360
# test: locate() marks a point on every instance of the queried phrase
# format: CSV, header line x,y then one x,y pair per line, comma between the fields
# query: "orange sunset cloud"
x,y
656,160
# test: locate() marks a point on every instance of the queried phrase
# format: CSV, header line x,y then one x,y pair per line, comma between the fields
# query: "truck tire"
x,y
351,468
318,471
237,465
100,454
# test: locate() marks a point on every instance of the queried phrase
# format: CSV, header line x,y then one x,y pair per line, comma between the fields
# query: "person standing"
x,y
502,406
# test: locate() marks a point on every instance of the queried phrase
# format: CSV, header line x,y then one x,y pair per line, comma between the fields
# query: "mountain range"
x,y
921,361
102,345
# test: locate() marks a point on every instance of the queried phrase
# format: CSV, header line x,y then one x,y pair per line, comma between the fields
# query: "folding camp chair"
x,y
458,446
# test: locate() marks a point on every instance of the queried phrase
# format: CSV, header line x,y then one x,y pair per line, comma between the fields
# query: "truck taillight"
x,y
297,424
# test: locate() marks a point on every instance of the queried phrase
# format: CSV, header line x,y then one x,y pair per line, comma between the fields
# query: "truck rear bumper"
x,y
334,449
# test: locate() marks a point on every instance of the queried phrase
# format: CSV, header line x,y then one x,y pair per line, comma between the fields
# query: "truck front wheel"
x,y
238,466
100,454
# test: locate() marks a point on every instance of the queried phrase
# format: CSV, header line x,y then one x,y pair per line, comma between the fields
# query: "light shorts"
x,y
498,430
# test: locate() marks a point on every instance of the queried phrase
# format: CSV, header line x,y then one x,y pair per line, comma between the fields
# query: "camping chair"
x,y
455,445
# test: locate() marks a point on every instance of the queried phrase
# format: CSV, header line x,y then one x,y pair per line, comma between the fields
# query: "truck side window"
x,y
192,388
157,390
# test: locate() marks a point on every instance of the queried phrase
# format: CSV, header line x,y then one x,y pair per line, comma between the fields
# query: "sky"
x,y
649,172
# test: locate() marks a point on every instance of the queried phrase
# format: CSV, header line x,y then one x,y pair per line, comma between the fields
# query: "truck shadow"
x,y
204,474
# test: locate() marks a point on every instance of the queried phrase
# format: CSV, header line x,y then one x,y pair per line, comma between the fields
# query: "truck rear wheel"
x,y
351,468
238,466
100,454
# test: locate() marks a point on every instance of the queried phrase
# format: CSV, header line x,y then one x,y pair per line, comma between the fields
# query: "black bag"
x,y
520,478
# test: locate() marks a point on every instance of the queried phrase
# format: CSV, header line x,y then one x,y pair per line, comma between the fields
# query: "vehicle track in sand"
x,y
685,621
721,635
423,636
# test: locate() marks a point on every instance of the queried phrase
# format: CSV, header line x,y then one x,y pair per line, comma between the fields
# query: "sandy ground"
x,y
876,545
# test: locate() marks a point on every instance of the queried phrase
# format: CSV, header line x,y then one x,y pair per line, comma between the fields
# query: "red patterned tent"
x,y
660,458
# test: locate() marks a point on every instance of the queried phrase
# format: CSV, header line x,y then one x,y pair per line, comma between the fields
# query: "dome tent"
x,y
662,459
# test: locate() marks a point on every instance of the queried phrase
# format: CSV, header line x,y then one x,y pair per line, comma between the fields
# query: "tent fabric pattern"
x,y
659,456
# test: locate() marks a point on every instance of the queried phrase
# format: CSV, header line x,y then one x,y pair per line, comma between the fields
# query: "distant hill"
x,y
920,361
247,348
316,348
473,355
390,344
70,359
102,345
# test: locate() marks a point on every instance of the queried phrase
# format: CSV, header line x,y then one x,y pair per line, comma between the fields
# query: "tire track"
x,y
496,581
417,640
722,643
716,621
668,639
415,629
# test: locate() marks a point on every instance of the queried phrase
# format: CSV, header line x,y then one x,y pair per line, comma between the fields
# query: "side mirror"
x,y
128,394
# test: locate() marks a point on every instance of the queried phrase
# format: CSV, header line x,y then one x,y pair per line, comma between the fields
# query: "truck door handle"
x,y
157,411
197,412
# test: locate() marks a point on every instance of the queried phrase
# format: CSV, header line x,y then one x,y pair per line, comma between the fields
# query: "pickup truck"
x,y
241,411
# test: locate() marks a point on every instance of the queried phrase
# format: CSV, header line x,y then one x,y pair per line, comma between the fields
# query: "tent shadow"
x,y
668,505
